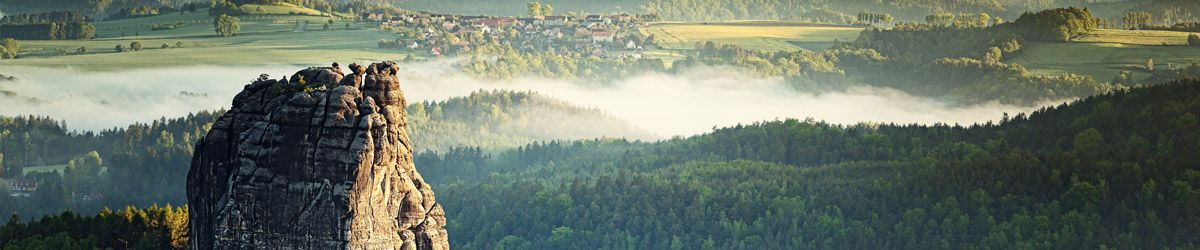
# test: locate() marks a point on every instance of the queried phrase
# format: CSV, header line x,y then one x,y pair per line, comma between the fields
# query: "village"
x,y
602,36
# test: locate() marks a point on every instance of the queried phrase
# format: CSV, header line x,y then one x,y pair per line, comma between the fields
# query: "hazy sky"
x,y
666,104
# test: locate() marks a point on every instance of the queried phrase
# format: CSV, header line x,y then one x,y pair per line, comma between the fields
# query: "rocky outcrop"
x,y
318,161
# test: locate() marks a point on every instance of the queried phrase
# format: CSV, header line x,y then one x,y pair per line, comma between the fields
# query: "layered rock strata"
x,y
318,161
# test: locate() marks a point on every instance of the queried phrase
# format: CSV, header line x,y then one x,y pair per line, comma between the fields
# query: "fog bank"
x,y
665,104
697,101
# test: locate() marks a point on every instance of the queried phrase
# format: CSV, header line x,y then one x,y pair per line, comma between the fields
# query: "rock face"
x,y
319,161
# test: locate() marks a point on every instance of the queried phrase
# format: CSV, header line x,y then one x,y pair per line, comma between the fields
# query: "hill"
x,y
496,120
145,163
1115,170
1105,53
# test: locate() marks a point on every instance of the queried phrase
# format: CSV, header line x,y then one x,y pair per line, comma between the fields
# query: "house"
x,y
494,23
392,22
602,37
463,31
375,17
460,45
591,20
623,17
552,33
531,20
596,19
22,187
554,21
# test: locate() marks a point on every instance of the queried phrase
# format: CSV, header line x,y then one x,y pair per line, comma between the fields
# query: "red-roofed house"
x,y
602,36
494,23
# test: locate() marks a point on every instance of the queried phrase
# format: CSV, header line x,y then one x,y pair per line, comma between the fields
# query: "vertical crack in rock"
x,y
318,161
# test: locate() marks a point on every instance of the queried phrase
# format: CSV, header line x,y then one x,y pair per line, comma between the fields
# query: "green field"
x,y
44,169
280,9
760,35
1105,53
1138,37
264,39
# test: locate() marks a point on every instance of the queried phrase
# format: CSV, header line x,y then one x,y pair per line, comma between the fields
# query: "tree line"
x,y
56,25
153,227
1108,171
1113,170
146,163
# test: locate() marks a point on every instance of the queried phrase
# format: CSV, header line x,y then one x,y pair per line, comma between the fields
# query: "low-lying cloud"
x,y
102,100
666,104
699,100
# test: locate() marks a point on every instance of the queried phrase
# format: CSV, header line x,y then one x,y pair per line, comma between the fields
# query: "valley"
x,y
630,124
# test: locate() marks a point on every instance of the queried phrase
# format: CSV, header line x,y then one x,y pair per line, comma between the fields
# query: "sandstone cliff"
x,y
318,161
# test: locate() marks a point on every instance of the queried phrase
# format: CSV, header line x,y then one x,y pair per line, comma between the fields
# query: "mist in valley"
x,y
690,103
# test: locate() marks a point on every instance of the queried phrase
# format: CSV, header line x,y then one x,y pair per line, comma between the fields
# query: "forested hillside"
x,y
957,60
1116,170
128,228
1112,171
496,120
143,164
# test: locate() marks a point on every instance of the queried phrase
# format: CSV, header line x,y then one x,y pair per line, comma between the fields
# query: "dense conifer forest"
x,y
1115,170
145,164
1114,166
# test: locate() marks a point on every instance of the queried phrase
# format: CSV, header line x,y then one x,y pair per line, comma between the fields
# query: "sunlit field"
x,y
263,39
761,35
1138,37
1102,61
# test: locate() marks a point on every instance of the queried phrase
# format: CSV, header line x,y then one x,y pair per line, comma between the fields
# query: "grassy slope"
x,y
281,9
264,39
761,35
1105,53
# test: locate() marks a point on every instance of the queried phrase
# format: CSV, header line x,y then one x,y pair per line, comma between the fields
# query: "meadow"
x,y
760,35
263,39
44,169
1103,54
1138,37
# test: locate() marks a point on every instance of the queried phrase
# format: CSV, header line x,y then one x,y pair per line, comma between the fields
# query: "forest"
x,y
1111,171
153,227
1115,168
56,25
144,164
1106,171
